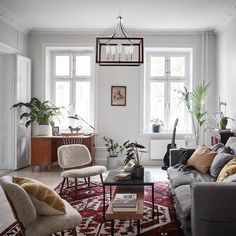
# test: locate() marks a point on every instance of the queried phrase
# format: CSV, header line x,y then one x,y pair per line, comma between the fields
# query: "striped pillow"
x,y
45,200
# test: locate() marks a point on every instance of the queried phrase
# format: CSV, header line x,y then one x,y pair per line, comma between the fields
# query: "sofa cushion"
x,y
228,169
231,142
231,178
202,159
183,201
220,160
178,177
45,200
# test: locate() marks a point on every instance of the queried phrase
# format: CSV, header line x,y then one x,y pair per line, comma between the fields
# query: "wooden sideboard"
x,y
218,136
44,149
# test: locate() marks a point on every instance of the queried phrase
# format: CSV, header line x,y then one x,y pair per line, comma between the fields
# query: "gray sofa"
x,y
204,207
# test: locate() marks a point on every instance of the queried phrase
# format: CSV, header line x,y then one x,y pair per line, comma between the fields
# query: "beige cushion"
x,y
83,172
201,159
228,169
45,200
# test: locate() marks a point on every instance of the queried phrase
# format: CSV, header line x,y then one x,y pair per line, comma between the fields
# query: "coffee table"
x,y
111,181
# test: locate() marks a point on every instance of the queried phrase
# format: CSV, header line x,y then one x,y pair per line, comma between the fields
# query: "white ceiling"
x,y
145,15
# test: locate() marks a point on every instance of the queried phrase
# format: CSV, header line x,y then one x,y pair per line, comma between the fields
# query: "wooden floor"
x,y
52,179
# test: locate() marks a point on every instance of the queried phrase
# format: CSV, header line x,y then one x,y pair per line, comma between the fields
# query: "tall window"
x,y
166,73
73,83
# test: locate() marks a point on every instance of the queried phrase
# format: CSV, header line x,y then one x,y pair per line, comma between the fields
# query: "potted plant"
x,y
195,103
42,113
133,150
113,148
156,125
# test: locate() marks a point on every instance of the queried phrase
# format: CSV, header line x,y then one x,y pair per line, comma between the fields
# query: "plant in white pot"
x,y
133,150
113,148
42,113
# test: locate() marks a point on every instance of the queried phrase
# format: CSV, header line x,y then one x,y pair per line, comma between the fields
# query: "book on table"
x,y
125,202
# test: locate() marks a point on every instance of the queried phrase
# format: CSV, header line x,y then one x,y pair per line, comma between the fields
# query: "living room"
x,y
203,31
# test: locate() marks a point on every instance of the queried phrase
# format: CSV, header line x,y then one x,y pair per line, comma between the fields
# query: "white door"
x,y
21,134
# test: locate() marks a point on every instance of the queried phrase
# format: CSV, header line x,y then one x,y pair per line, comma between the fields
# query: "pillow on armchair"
x,y
45,200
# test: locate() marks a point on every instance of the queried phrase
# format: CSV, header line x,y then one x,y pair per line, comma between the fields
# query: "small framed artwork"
x,y
118,95
55,130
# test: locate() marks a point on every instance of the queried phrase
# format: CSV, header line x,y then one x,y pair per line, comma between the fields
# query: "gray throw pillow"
x,y
220,160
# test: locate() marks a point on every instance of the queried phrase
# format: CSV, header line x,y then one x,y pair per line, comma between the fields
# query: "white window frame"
x,y
167,53
72,78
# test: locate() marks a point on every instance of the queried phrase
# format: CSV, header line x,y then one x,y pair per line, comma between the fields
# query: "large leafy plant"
x,y
195,103
133,150
41,112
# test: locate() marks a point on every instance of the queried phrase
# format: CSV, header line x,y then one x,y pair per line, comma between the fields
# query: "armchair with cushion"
x,y
29,220
76,162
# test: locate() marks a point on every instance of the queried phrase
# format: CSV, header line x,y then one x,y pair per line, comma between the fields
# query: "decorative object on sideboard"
x,y
223,119
74,127
133,150
118,95
55,130
43,113
113,148
119,49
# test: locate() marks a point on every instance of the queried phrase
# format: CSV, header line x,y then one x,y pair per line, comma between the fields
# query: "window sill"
x,y
166,134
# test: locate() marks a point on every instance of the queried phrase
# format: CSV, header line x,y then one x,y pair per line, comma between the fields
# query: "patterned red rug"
x,y
89,204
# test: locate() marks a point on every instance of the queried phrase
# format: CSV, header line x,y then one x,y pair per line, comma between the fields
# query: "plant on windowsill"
x,y
113,148
156,125
43,113
133,150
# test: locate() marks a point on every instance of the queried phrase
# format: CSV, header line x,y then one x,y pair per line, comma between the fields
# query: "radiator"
x,y
159,147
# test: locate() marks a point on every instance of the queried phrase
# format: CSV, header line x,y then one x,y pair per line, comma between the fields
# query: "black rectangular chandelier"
x,y
119,49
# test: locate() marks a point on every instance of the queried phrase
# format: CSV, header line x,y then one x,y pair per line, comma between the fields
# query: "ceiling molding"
x,y
226,17
12,20
133,32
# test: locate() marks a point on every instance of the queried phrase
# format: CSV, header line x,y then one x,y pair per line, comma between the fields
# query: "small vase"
x,y
138,172
155,128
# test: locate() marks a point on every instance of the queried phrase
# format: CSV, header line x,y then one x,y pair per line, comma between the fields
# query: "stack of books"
x,y
125,202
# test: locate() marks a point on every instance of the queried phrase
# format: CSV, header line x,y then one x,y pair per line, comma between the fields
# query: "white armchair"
x,y
77,159
29,221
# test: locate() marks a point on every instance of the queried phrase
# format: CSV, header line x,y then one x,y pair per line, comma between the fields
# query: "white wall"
x,y
13,40
226,47
122,123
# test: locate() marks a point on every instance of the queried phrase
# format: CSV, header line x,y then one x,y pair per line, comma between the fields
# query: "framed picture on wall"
x,y
118,95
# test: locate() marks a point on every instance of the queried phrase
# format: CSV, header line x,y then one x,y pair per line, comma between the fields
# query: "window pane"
x,y
82,105
83,66
157,66
62,65
177,66
62,96
177,108
157,95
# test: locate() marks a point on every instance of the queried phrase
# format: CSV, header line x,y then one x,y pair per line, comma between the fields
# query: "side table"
x,y
220,136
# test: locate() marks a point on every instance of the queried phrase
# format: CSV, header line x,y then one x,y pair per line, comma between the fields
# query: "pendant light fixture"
x,y
119,49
